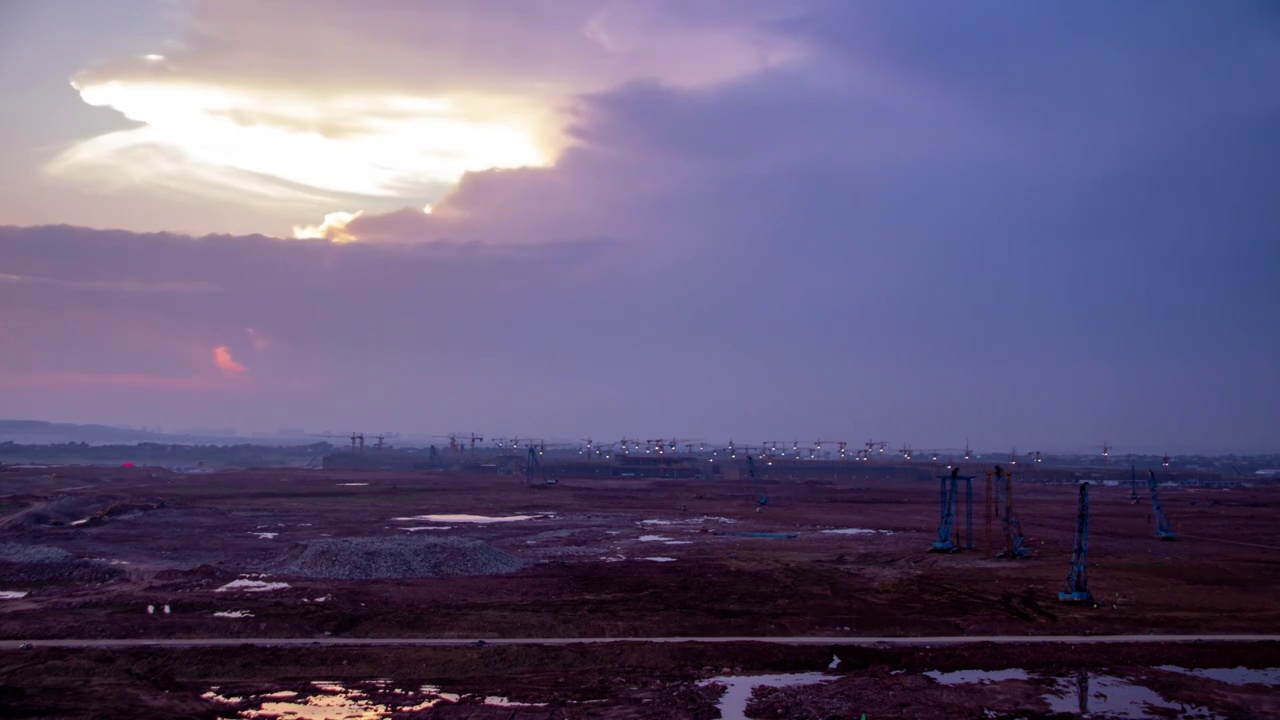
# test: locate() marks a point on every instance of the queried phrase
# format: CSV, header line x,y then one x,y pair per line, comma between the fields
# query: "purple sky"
x,y
1041,225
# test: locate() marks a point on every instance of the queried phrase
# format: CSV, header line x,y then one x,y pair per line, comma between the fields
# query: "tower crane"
x,y
357,440
1077,582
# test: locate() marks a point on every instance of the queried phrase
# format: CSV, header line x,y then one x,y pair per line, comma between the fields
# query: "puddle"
x,y
500,701
233,614
966,677
12,594
252,586
337,700
265,535
615,558
352,484
855,531
469,518
733,704
1234,676
1116,698
653,538
677,542
428,527
688,521
659,559
81,521
835,662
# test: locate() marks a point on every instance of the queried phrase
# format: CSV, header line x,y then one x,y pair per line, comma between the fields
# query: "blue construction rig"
x,y
1077,579
949,495
1164,530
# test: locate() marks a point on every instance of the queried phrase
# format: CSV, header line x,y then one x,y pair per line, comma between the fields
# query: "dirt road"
x,y
456,642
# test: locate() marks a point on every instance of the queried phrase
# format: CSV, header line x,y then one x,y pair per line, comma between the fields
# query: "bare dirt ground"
x,y
151,538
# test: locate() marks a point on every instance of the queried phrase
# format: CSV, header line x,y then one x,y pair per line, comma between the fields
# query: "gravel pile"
x,y
413,556
42,563
16,553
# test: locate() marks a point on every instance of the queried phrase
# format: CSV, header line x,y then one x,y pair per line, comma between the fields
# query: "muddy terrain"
x,y
144,553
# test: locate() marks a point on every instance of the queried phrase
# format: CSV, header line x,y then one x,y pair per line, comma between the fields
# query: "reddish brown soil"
x,y
185,535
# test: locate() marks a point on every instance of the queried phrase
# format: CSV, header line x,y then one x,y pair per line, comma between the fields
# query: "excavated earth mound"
x,y
369,558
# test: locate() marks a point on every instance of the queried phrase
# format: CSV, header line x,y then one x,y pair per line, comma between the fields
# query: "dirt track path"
x,y
436,642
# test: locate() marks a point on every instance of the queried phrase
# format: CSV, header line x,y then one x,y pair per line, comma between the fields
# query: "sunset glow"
x,y
304,143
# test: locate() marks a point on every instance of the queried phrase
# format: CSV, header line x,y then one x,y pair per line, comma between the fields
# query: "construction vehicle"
x,y
762,498
1164,530
1077,581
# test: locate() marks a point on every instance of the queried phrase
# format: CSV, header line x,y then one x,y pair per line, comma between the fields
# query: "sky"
x,y
1035,225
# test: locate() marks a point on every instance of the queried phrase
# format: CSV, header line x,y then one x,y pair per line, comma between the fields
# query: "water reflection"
x,y
333,700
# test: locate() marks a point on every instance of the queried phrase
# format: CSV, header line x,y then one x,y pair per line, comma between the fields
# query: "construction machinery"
x,y
1077,581
948,487
949,492
1015,543
762,498
357,440
1164,530
533,467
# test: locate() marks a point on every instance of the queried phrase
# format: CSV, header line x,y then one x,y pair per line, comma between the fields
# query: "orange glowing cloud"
x,y
226,363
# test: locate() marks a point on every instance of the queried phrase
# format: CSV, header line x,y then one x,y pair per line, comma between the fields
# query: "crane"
x,y
357,440
817,444
762,498
1164,530
1077,582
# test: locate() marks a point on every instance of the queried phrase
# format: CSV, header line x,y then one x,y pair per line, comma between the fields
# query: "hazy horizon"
x,y
1037,226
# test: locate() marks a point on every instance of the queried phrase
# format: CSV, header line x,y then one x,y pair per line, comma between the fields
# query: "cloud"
x,y
226,363
333,228
161,287
901,231
247,105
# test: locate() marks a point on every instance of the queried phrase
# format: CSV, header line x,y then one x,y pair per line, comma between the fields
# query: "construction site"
x,y
641,579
